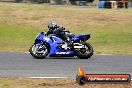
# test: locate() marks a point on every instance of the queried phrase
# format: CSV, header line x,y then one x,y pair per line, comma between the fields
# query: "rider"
x,y
58,30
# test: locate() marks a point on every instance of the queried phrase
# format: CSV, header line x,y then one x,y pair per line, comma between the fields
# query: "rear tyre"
x,y
86,52
39,51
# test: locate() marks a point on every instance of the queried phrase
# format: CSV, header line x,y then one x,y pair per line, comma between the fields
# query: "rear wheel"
x,y
39,51
85,52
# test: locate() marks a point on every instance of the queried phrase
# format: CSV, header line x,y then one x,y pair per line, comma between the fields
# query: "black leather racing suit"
x,y
59,31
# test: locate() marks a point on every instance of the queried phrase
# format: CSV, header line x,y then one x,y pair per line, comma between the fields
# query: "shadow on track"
x,y
61,58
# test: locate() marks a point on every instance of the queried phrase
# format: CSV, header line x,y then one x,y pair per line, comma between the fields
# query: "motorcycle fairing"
x,y
53,41
82,37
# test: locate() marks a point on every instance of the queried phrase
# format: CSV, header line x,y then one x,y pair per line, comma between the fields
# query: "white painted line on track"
x,y
47,77
104,54
26,52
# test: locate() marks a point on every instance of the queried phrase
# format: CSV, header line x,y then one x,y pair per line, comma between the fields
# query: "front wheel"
x,y
38,51
85,52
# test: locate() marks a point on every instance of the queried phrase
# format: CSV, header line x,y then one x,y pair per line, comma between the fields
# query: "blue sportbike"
x,y
53,46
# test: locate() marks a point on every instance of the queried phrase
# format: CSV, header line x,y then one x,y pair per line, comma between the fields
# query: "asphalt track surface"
x,y
24,65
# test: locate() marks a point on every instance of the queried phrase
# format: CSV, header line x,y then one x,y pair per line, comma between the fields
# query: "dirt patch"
x,y
39,16
52,83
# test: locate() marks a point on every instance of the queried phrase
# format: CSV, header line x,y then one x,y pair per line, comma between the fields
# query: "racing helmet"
x,y
52,25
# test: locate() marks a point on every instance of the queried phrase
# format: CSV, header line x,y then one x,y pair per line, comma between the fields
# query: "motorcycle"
x,y
54,46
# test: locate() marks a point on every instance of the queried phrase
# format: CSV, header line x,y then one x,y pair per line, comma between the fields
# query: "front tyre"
x,y
39,51
85,52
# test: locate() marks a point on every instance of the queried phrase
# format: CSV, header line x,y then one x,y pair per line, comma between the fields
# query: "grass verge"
x,y
110,29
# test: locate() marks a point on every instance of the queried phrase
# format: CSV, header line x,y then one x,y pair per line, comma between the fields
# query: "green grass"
x,y
16,38
110,29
